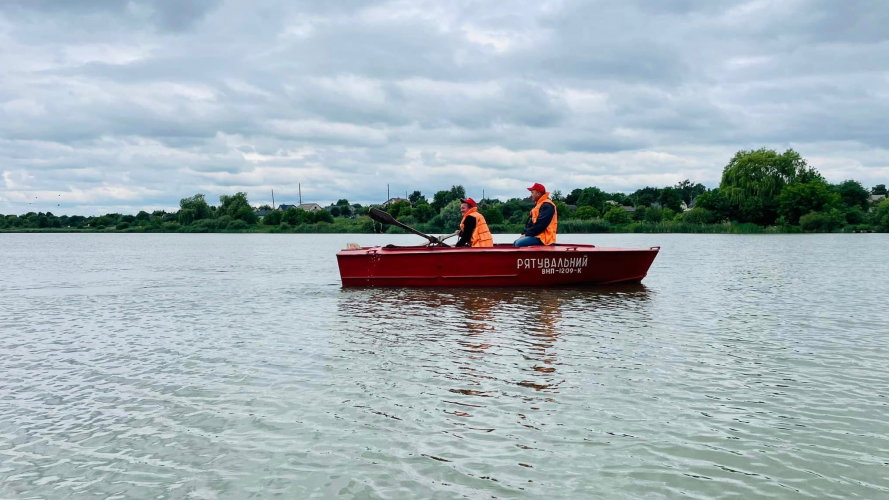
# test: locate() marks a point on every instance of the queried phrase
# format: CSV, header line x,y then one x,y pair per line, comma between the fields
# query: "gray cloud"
x,y
163,15
136,104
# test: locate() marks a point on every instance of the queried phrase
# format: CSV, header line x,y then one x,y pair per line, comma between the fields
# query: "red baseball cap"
x,y
470,202
537,187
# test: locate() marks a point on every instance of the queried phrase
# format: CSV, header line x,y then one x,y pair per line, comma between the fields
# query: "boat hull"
x,y
500,266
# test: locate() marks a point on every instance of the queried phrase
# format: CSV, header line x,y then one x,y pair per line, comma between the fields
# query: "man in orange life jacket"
x,y
541,226
473,228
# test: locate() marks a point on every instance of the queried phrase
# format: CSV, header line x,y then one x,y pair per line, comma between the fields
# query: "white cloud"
x,y
359,89
104,53
245,88
321,130
145,104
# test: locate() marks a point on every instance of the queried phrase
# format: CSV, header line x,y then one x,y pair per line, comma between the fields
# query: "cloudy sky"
x,y
109,105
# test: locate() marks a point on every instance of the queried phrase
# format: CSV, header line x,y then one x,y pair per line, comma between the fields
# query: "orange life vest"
x,y
481,237
548,236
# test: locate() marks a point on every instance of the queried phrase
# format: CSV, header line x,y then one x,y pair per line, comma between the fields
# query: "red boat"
x,y
497,266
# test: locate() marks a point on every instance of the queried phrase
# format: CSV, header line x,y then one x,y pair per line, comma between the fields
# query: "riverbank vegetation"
x,y
761,191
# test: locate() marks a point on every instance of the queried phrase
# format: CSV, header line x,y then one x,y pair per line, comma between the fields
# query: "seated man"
x,y
541,226
473,228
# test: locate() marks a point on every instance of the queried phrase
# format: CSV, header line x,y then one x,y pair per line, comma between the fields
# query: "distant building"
x,y
877,198
628,209
393,200
311,207
684,207
262,212
308,207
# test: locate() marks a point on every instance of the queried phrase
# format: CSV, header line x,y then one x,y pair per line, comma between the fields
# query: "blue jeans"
x,y
528,241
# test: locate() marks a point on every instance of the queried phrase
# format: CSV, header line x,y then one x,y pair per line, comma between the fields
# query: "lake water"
x,y
235,366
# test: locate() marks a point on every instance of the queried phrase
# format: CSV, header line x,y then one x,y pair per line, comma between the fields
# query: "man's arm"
x,y
466,235
544,217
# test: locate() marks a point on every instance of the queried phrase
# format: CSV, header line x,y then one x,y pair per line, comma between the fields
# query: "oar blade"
x,y
381,216
385,218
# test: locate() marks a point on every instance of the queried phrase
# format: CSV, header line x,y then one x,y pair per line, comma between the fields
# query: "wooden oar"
x,y
441,240
384,218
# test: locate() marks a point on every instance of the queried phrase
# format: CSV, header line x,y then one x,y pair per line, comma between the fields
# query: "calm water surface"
x,y
235,366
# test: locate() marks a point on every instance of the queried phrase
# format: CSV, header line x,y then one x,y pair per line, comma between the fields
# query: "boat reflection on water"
x,y
486,342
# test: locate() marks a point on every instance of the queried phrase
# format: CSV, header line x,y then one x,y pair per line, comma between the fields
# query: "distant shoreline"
x,y
572,227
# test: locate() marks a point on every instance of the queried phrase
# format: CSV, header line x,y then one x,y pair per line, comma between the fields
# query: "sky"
x,y
116,106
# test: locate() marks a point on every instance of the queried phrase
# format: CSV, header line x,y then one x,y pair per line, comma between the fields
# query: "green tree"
x,y
671,198
592,197
142,215
697,215
493,214
586,213
342,202
646,196
345,210
822,221
690,191
562,210
881,215
198,206
855,215
224,221
451,216
617,215
416,197
443,198
273,218
763,174
246,214
879,189
620,199
572,198
186,216
296,216
853,194
799,199
322,216
423,212
335,211
237,225
234,206
516,207
654,215
399,208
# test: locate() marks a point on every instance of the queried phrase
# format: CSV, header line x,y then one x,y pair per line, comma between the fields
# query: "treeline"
x,y
760,191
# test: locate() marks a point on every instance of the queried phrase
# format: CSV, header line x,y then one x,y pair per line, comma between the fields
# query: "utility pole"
x,y
273,199
387,193
483,195
300,187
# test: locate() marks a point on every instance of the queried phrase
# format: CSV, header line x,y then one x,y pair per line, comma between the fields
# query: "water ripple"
x,y
231,366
